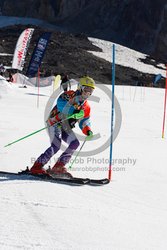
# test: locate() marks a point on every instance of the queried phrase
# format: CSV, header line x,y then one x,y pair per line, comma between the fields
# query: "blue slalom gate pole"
x,y
112,112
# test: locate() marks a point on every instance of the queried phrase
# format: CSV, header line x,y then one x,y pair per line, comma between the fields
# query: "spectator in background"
x,y
10,77
65,82
2,69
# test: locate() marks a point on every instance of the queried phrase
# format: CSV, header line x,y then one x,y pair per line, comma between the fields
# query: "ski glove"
x,y
89,135
78,116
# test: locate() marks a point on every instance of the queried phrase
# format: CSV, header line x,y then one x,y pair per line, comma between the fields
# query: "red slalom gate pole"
x,y
164,116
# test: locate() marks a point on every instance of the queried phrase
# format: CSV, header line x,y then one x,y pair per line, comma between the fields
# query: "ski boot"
x,y
37,168
59,171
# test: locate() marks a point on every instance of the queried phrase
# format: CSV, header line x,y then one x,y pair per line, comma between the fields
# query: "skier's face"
x,y
86,92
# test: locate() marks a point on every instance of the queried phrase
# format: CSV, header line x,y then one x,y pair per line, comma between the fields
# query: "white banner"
x,y
21,49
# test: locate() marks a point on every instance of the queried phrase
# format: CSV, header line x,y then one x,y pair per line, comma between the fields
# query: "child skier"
x,y
72,106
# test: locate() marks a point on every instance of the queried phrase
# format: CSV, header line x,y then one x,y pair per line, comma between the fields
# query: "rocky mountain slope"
x,y
140,25
68,53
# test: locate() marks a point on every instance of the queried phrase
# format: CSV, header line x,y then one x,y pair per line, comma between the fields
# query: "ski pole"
x,y
77,153
35,132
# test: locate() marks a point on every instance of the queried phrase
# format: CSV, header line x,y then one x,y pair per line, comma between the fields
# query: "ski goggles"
x,y
87,90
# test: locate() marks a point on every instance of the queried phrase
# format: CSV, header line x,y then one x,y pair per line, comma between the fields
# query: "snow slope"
x,y
129,213
126,57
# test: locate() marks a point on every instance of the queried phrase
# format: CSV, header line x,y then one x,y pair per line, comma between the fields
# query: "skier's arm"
x,y
84,123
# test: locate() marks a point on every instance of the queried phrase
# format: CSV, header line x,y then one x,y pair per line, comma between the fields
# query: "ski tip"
x,y
100,182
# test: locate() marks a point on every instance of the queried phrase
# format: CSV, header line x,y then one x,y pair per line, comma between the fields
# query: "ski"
x,y
63,180
99,182
70,181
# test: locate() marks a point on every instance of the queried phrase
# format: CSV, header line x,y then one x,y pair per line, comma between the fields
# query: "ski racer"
x,y
72,106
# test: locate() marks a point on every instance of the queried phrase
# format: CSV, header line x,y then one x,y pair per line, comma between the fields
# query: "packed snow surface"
x,y
129,213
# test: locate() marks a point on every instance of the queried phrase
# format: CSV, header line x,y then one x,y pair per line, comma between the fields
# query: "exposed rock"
x,y
67,53
140,25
